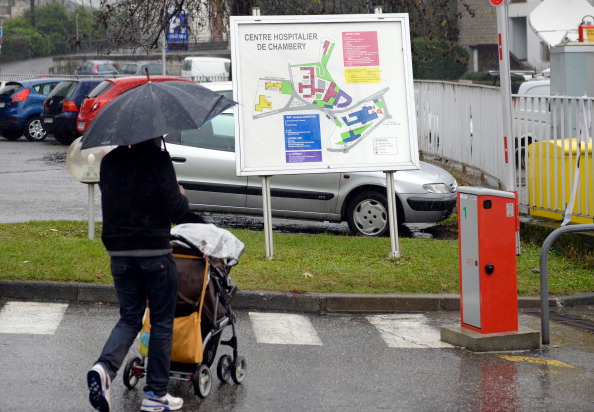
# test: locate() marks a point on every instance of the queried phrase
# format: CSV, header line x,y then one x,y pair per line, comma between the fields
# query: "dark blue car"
x,y
61,108
21,105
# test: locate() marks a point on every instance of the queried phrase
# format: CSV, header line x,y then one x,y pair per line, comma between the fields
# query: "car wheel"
x,y
34,130
367,214
11,135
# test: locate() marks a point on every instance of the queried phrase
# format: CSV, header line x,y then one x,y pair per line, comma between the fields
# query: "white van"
x,y
532,116
206,69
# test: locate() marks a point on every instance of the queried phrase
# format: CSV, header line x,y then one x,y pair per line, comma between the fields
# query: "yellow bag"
x,y
187,338
187,335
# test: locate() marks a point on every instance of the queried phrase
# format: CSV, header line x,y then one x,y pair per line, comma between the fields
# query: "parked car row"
x,y
21,106
204,160
65,107
61,107
111,68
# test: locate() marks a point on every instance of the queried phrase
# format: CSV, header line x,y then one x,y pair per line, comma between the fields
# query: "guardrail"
x,y
544,274
551,159
462,123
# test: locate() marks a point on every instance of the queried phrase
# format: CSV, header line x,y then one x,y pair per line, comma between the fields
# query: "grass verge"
x,y
61,251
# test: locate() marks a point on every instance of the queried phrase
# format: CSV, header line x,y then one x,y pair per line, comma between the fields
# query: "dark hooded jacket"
x,y
140,199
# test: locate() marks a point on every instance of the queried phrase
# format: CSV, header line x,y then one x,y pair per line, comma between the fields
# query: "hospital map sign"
x,y
322,94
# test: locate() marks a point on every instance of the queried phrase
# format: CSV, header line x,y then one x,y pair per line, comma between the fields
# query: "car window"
x,y
106,68
128,69
82,90
11,89
48,87
187,65
44,88
152,69
538,91
100,89
63,89
218,134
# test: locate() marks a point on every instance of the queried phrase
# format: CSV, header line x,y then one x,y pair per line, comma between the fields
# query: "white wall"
x,y
533,46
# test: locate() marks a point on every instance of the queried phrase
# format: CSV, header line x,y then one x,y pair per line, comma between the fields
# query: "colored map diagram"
x,y
310,88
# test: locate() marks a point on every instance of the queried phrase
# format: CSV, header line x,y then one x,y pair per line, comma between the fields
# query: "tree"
x,y
55,26
21,40
141,23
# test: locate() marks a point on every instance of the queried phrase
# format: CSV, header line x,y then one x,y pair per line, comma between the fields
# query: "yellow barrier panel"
x,y
551,169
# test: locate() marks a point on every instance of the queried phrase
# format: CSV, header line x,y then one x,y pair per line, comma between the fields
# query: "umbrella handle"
x,y
148,76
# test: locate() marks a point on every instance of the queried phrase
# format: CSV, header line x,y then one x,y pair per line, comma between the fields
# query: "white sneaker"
x,y
99,384
152,403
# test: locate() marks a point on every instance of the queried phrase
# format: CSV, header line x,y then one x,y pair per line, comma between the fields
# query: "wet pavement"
x,y
36,185
353,368
356,365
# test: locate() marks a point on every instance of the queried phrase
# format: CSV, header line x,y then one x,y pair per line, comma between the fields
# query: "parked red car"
x,y
108,90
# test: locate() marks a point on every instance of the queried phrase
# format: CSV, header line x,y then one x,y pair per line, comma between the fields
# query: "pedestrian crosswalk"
x,y
32,318
396,330
275,328
407,331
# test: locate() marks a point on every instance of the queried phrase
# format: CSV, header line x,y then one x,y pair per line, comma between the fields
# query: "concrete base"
x,y
523,339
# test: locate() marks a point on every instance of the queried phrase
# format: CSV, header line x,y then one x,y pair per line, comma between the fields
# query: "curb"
x,y
279,301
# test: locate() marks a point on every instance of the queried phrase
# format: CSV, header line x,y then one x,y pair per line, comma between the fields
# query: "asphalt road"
x,y
352,363
35,185
304,363
39,65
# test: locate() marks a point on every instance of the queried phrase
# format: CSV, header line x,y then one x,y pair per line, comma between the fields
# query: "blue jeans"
x,y
135,280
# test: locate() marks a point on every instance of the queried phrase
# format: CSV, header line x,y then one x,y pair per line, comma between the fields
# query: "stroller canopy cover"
x,y
210,240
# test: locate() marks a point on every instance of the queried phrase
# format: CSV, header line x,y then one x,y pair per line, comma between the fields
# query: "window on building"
x,y
519,40
545,52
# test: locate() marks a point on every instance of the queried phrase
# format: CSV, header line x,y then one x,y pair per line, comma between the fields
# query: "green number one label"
x,y
464,212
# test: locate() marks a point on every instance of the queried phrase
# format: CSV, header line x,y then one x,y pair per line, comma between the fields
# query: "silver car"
x,y
204,161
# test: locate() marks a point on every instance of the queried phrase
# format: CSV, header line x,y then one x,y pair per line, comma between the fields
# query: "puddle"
x,y
56,158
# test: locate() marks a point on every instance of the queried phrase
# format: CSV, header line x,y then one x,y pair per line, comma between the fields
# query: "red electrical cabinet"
x,y
487,233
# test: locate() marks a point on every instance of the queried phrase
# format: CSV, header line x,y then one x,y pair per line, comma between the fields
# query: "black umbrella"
x,y
151,110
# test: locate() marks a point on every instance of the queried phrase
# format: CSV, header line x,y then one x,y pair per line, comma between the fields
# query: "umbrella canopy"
x,y
151,110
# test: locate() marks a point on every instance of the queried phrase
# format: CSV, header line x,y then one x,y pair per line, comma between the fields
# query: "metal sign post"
x,y
392,216
266,207
91,203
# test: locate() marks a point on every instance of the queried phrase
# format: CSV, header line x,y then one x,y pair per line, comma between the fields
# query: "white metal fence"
x,y
463,123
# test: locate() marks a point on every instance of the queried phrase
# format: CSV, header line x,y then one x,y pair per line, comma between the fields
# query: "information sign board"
x,y
322,94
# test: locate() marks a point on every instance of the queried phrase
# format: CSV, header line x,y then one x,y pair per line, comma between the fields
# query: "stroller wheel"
x,y
202,381
224,368
131,372
239,370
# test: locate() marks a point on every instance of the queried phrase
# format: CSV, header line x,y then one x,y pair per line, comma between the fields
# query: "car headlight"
x,y
437,188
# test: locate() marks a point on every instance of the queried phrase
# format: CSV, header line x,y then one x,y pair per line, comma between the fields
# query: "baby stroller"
x,y
204,255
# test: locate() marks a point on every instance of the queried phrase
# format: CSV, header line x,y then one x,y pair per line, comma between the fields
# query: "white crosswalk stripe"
x,y
31,317
407,331
283,328
396,330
